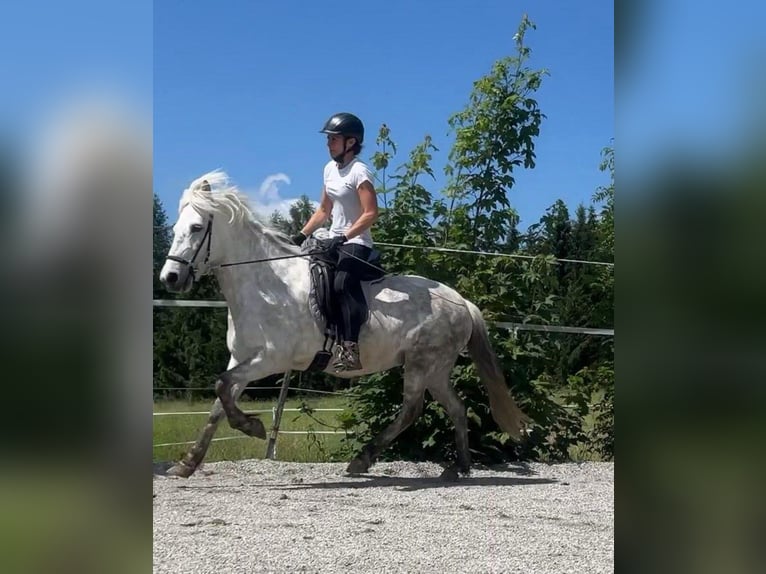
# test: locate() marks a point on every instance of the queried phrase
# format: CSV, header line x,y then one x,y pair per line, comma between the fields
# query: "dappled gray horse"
x,y
414,322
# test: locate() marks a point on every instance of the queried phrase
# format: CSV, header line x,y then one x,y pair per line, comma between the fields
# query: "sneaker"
x,y
347,357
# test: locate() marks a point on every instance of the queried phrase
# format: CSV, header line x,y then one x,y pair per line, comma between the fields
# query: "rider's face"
x,y
335,144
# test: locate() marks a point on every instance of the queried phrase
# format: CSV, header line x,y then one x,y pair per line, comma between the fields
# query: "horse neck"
x,y
259,287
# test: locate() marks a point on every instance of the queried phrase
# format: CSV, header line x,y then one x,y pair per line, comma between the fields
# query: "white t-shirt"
x,y
341,186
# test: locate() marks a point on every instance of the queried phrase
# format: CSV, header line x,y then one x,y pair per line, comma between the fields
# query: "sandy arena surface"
x,y
266,516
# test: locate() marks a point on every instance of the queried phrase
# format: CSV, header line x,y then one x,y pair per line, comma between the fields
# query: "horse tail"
x,y
506,413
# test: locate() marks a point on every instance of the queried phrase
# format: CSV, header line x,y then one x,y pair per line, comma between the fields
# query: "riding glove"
x,y
332,244
299,238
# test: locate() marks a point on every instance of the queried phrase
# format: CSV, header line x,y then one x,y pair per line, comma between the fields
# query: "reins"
x,y
293,256
267,259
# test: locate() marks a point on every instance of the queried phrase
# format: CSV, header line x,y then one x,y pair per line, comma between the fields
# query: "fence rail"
x,y
604,332
246,412
277,410
164,444
258,388
276,417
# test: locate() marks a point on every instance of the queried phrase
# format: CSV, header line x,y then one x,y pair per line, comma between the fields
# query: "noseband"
x,y
190,262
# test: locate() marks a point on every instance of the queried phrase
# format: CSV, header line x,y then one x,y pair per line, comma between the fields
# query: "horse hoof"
x,y
180,470
253,427
357,466
259,431
450,474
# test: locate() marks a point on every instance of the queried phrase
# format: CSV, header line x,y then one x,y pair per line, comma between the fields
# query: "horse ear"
x,y
205,185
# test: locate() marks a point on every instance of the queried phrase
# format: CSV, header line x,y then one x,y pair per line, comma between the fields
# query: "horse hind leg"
x,y
412,406
442,391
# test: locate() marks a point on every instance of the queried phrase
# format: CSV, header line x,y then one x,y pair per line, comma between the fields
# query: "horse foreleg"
x,y
189,463
237,378
411,409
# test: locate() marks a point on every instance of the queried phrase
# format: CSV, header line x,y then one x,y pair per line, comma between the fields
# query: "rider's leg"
x,y
351,303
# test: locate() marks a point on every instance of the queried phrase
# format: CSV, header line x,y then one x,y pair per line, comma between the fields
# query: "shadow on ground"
x,y
161,468
408,484
522,475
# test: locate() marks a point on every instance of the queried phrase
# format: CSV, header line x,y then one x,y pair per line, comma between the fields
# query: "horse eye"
x,y
196,228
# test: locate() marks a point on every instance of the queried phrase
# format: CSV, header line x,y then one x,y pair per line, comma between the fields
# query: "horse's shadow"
x,y
522,475
414,483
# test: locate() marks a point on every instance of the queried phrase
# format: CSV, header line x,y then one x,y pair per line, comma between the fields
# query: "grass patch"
x,y
310,447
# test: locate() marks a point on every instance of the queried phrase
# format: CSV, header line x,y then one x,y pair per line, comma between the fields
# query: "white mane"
x,y
225,198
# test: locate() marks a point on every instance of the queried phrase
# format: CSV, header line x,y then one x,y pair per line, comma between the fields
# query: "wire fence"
x,y
240,437
479,253
493,254
273,412
606,332
296,389
277,410
276,414
514,327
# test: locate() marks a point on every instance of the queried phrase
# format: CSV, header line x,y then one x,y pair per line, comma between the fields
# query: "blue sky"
x,y
245,87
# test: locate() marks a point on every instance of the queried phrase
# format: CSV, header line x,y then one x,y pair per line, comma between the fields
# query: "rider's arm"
x,y
369,210
320,215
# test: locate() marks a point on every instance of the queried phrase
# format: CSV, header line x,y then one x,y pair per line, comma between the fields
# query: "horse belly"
x,y
379,350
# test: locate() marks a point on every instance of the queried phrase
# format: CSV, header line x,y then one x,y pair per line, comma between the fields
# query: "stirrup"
x,y
337,356
347,357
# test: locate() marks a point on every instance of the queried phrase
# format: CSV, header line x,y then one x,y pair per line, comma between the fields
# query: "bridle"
x,y
190,262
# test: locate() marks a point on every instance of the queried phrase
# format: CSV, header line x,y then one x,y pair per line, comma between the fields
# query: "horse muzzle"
x,y
177,281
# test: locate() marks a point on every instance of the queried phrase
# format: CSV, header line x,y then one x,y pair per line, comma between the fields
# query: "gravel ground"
x,y
268,516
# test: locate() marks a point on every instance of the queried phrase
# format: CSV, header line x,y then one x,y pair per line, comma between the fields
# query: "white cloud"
x,y
268,200
269,190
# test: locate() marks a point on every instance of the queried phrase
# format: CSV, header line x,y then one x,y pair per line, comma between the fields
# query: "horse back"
x,y
411,298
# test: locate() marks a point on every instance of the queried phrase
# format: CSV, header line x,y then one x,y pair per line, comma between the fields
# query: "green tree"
x,y
300,212
407,221
381,160
605,196
494,134
160,244
604,251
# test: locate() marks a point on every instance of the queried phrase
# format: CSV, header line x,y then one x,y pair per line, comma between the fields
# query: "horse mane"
x,y
214,193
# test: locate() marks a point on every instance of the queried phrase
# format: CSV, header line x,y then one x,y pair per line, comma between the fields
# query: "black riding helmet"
x,y
345,124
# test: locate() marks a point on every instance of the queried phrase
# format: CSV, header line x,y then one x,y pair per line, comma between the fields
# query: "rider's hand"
x,y
332,244
299,238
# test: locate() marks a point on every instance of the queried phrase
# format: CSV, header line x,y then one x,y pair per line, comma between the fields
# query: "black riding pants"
x,y
347,289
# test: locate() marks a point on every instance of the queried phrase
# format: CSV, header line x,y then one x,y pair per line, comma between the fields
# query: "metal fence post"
x,y
271,448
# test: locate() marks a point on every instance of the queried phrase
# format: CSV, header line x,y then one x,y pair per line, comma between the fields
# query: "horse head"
x,y
189,254
215,222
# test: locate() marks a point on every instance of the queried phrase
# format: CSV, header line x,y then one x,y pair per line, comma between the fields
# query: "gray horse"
x,y
420,324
